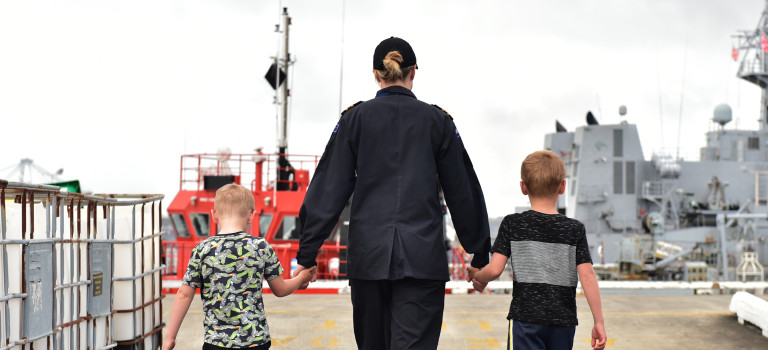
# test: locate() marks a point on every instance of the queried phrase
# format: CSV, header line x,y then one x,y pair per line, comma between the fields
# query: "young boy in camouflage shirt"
x,y
229,268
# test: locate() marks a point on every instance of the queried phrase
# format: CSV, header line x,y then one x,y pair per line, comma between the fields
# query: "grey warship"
x,y
666,218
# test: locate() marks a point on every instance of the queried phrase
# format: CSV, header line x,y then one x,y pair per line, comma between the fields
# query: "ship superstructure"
x,y
666,217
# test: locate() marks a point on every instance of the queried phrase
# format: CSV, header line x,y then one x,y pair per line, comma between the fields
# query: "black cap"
x,y
393,44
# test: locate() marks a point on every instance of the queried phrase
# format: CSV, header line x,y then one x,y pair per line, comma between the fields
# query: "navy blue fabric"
x,y
403,315
395,153
529,336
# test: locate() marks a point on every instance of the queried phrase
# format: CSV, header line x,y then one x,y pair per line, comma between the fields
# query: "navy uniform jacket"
x,y
392,151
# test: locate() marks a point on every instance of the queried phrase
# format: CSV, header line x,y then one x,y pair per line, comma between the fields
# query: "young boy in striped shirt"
x,y
547,250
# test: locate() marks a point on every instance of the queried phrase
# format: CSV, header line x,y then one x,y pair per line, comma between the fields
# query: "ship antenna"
x,y
682,92
658,85
341,61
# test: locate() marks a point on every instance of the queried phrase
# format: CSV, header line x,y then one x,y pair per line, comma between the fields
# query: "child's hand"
x,y
598,336
169,344
471,271
306,274
478,286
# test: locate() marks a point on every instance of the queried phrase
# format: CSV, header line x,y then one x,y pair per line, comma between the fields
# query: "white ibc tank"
x,y
137,271
57,288
82,296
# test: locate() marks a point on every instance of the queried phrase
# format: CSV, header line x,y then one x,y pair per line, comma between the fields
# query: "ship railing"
x,y
752,66
255,169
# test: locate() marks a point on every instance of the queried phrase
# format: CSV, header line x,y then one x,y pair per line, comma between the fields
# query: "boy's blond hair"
x,y
234,199
542,173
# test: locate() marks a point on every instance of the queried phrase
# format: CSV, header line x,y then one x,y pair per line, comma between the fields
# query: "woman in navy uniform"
x,y
395,153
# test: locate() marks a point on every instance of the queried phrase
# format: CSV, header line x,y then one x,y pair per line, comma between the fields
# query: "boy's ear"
x,y
562,188
214,216
523,188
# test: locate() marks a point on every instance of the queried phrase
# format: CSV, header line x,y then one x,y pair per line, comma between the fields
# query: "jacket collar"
x,y
395,90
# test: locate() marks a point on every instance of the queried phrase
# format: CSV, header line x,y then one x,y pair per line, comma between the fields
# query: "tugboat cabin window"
x,y
179,225
201,223
753,143
264,221
289,228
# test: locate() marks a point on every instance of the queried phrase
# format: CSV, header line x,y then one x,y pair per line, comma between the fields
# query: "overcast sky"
x,y
114,92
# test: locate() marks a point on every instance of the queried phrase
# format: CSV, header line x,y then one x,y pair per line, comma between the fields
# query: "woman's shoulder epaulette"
x,y
444,111
350,107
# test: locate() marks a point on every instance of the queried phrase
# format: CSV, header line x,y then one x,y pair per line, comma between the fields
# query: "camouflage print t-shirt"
x,y
230,268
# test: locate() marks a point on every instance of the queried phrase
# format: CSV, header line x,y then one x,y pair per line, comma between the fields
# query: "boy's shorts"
x,y
529,336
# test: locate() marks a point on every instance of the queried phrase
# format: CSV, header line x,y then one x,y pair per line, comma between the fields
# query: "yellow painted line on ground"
x,y
321,342
329,324
483,343
608,342
282,341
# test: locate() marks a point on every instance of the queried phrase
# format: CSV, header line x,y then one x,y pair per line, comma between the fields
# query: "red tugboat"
x,y
278,182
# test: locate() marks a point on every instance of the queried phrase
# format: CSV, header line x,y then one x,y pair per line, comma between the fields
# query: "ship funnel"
x,y
591,120
722,114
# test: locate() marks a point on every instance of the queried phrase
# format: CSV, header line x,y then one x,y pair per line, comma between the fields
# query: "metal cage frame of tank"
x,y
81,256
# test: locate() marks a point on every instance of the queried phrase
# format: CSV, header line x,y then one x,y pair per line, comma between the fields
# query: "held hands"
x,y
307,275
598,336
477,285
471,272
312,271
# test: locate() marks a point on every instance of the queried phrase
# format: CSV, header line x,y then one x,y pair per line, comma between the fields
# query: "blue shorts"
x,y
529,336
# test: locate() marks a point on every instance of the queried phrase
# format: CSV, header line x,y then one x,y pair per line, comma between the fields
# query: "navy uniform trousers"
x,y
399,314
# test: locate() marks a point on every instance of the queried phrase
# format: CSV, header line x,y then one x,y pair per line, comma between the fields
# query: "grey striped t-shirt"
x,y
544,250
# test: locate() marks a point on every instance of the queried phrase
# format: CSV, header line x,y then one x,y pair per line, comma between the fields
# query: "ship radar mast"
x,y
754,64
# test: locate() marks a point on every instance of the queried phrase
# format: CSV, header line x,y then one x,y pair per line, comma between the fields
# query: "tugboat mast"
x,y
285,170
754,66
282,92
